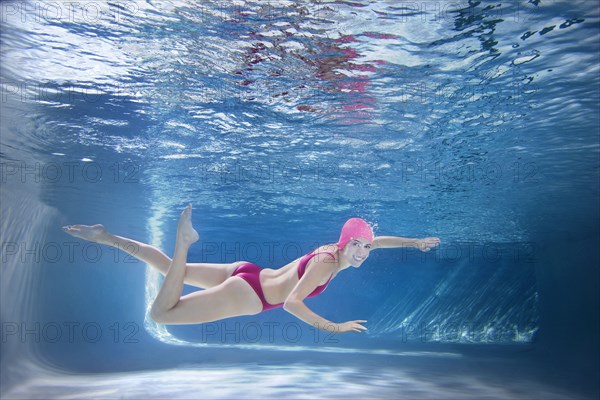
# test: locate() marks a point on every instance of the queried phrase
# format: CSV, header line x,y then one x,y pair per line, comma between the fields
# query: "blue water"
x,y
476,122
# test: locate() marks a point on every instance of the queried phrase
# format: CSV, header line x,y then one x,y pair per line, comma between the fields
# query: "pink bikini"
x,y
251,274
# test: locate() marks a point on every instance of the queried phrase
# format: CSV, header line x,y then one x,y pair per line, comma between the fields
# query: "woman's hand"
x,y
428,243
350,326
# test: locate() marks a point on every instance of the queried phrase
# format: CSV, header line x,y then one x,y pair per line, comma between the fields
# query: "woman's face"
x,y
357,251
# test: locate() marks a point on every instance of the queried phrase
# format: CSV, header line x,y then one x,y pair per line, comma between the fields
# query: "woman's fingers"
x,y
428,243
357,327
353,326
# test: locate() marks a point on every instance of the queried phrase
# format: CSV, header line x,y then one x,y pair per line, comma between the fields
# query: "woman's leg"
x,y
231,298
203,275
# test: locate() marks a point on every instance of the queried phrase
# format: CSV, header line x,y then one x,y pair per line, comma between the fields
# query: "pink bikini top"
x,y
302,268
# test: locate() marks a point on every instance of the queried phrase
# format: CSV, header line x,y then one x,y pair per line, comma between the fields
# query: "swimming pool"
x,y
476,122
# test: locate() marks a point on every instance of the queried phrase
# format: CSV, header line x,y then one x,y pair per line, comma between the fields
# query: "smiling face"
x,y
356,251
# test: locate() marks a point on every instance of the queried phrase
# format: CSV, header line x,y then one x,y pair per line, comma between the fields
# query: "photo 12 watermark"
x,y
515,11
69,332
66,11
267,332
463,332
68,172
67,252
488,252
462,172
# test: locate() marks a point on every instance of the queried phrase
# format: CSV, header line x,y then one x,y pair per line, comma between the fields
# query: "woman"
x,y
242,288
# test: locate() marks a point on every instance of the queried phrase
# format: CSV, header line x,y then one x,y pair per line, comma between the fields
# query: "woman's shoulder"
x,y
327,249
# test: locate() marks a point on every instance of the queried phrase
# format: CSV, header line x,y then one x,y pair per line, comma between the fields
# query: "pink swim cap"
x,y
355,228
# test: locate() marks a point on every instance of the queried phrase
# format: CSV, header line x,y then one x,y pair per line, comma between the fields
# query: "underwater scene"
x,y
460,139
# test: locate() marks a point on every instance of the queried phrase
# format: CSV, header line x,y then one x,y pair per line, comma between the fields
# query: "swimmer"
x,y
243,288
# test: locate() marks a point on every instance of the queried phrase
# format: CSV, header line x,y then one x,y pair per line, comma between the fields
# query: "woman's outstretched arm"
x,y
389,242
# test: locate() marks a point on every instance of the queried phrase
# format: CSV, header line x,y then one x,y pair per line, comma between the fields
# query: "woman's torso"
x,y
277,284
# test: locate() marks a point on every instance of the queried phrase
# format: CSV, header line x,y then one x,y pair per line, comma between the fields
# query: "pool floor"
x,y
464,373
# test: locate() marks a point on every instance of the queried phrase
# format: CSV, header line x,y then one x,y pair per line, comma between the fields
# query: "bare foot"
x,y
93,233
185,231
